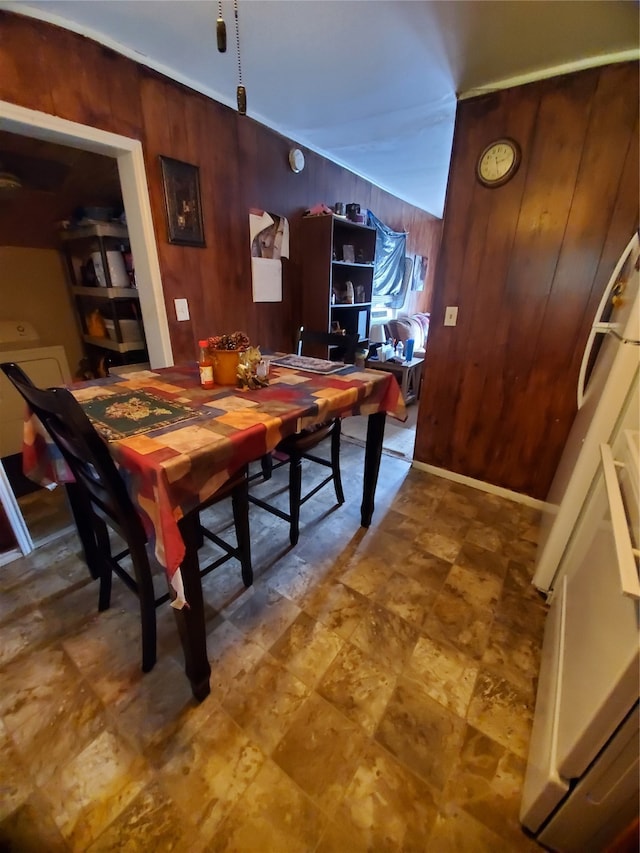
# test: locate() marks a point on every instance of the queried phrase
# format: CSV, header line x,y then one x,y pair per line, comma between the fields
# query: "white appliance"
x,y
608,375
581,786
44,365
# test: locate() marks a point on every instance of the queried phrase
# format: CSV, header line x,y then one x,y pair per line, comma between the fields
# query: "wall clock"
x,y
296,160
498,163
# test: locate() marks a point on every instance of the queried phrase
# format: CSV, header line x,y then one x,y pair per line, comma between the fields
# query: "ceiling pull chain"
x,y
241,92
221,30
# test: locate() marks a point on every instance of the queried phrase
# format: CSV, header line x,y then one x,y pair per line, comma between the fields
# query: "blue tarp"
x,y
389,286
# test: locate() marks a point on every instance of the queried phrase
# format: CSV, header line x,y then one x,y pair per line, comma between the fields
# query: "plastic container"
x,y
400,350
117,269
408,349
385,352
129,329
225,366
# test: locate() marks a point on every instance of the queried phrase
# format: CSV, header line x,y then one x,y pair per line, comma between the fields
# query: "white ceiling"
x,y
370,84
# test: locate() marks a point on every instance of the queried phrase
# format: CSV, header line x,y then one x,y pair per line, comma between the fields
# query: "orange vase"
x,y
225,366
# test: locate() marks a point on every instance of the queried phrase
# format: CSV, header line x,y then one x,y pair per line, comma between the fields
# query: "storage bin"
x,y
130,330
117,269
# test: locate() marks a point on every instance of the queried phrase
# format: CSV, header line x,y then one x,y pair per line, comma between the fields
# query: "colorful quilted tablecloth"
x,y
176,443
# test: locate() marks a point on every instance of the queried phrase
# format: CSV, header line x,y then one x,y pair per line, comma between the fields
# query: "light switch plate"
x,y
451,315
182,309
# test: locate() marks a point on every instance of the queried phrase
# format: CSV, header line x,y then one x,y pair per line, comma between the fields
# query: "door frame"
x,y
135,197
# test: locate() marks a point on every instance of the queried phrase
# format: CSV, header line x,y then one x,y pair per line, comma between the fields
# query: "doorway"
x,y
135,197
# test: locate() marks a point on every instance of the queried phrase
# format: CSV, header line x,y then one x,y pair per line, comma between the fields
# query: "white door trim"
x,y
15,519
135,196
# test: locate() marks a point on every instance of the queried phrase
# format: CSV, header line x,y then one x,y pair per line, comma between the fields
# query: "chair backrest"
x,y
84,451
347,343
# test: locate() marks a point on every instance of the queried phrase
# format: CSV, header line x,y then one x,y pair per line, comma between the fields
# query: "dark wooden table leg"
x,y
190,620
372,453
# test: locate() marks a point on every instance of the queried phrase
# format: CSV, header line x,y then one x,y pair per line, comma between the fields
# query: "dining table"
x,y
176,443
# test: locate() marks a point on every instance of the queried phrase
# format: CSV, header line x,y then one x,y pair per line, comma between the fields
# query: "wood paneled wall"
x,y
56,179
242,165
526,264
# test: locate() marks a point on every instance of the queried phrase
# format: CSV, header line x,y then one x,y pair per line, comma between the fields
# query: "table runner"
x,y
170,469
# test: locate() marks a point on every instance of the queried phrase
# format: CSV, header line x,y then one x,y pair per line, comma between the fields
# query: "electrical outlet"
x,y
451,315
182,309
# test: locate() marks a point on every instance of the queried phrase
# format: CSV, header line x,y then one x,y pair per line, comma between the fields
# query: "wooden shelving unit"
x,y
326,296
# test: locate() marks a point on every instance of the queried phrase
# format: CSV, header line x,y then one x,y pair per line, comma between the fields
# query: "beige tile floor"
x,y
399,438
372,691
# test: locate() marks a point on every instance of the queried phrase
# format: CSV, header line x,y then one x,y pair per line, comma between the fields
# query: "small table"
x,y
408,375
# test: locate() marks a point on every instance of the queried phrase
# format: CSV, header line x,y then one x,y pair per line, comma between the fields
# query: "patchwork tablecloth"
x,y
176,443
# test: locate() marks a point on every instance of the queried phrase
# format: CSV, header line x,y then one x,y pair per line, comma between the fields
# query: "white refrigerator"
x,y
581,785
608,376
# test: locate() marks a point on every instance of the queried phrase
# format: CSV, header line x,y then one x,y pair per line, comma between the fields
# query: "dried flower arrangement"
x,y
234,341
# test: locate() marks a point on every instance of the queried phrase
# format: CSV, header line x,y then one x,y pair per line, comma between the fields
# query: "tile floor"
x,y
399,438
373,690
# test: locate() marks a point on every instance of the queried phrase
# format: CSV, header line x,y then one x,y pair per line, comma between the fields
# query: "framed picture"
x,y
407,278
419,272
182,199
348,254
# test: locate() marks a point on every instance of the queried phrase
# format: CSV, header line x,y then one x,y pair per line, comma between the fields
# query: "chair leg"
x,y
146,600
103,547
199,534
335,460
266,463
295,487
84,525
240,506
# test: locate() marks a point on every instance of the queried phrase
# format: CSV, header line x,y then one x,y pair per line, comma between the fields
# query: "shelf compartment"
x,y
98,229
336,305
114,346
352,264
106,292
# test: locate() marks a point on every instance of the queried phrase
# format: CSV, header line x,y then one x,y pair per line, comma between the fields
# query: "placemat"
x,y
121,415
303,362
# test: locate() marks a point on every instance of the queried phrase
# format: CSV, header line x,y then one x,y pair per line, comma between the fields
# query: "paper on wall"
x,y
269,236
266,275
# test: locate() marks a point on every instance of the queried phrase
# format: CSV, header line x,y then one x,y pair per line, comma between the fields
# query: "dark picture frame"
x,y
181,182
419,276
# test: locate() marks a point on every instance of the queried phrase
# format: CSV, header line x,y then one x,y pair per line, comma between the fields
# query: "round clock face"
x,y
296,160
498,162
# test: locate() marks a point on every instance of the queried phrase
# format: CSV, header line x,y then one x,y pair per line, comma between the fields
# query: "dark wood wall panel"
x,y
24,72
526,264
242,164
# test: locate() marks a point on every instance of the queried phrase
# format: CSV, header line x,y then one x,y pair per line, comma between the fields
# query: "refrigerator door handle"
x,y
598,327
624,548
612,329
586,356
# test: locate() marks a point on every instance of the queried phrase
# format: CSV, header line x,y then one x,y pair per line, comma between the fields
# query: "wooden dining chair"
x,y
103,503
340,344
294,448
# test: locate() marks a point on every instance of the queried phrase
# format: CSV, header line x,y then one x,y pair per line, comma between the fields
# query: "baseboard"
x,y
534,503
8,556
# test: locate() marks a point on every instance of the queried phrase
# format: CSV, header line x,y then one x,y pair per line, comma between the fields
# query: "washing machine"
x,y
44,365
